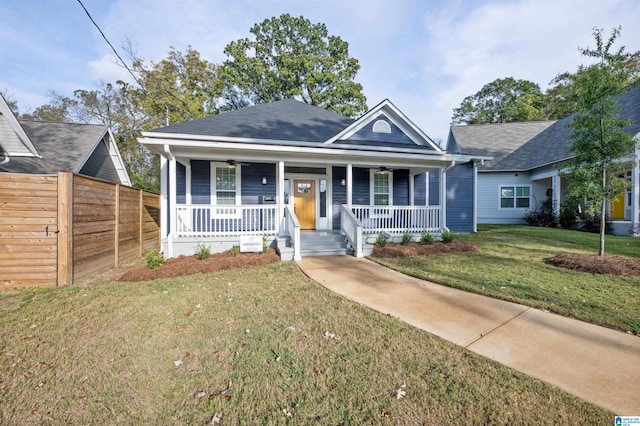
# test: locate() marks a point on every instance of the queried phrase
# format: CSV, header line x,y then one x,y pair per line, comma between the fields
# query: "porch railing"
x,y
352,229
375,219
292,227
202,220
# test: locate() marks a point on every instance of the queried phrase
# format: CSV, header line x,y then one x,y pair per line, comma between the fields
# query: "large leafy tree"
x,y
292,57
598,137
502,101
561,98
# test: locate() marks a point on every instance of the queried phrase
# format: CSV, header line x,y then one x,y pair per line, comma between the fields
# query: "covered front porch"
x,y
277,201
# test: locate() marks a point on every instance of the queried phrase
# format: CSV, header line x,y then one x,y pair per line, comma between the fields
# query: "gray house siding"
x,y
99,165
200,182
339,193
401,187
460,198
420,190
251,182
361,189
181,183
434,189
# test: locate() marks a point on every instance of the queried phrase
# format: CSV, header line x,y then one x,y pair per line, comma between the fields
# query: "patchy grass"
x,y
512,266
261,345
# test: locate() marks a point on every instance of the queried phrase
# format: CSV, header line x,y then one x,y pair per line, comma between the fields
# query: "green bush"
x,y
426,238
234,251
406,239
203,251
448,236
265,246
381,241
154,259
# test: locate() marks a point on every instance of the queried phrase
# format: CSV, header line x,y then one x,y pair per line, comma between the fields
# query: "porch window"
x,y
382,189
515,197
225,191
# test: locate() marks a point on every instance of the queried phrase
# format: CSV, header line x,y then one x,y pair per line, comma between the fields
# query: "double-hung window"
x,y
515,197
381,192
225,189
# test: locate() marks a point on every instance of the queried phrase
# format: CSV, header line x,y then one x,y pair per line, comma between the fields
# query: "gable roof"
x,y
13,140
387,110
64,147
286,120
495,140
529,145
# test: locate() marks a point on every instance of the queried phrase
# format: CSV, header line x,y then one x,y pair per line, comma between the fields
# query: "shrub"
x,y
542,216
203,251
406,239
154,259
234,251
265,247
426,238
448,236
381,241
569,215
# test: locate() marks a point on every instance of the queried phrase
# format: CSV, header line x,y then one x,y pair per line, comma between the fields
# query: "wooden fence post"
x,y
65,228
117,228
141,217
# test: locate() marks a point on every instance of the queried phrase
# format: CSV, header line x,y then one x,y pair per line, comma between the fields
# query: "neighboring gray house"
x,y
38,147
524,171
275,169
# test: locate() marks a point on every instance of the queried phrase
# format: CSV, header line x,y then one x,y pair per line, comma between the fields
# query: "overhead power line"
x,y
110,45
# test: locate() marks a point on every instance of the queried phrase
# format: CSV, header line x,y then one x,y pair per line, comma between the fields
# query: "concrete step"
x,y
326,252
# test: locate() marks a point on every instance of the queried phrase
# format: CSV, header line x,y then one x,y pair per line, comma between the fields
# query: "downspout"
x,y
5,160
443,195
172,199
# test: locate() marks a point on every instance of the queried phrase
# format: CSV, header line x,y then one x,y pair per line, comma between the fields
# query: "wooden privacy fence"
x,y
61,229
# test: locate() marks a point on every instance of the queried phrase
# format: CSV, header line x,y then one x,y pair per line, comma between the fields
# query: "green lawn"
x,y
512,267
261,345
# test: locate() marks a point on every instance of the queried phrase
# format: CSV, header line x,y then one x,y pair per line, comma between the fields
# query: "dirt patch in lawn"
x,y
413,249
594,264
189,265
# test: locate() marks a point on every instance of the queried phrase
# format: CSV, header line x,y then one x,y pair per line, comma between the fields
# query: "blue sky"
x,y
423,55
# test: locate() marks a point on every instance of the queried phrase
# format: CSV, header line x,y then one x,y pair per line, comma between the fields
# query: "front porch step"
x,y
323,243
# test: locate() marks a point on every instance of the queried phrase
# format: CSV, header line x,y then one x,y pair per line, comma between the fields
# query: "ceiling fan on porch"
x,y
232,164
383,170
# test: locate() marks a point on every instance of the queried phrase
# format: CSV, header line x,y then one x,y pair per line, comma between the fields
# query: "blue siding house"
x,y
294,174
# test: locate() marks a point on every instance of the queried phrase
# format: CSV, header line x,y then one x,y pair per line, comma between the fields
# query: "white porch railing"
x,y
375,219
352,229
292,228
203,220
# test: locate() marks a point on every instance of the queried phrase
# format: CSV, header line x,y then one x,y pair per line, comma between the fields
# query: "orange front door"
x,y
305,203
617,208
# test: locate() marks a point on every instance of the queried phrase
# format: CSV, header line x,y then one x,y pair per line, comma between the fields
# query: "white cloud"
x,y
109,69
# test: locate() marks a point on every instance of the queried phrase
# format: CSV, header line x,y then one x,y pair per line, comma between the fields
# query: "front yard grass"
x,y
261,345
512,267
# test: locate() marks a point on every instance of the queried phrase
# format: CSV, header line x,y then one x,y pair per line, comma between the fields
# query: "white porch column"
x,y
172,200
475,196
349,184
443,198
635,199
164,198
556,188
280,179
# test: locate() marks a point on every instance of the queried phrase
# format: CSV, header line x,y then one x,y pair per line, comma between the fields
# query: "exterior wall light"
x,y
264,180
343,182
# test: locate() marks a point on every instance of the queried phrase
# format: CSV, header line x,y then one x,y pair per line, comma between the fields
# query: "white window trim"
x,y
380,211
514,186
235,213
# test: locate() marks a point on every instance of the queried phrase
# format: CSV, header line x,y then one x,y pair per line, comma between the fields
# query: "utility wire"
x,y
110,45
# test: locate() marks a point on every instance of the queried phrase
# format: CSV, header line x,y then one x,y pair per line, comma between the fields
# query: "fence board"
x,y
33,208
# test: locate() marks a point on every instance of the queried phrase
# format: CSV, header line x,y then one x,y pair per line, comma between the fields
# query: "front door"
x,y
305,202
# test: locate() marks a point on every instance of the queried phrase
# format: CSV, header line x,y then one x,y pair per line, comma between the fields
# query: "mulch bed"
x,y
413,249
594,264
189,265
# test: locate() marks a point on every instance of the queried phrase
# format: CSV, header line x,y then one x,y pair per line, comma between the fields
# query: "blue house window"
x,y
515,197
225,188
382,188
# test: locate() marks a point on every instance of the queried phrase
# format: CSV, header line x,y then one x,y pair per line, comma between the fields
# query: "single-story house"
x,y
39,147
307,180
526,166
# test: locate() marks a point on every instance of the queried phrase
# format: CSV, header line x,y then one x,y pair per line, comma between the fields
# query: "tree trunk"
x,y
603,212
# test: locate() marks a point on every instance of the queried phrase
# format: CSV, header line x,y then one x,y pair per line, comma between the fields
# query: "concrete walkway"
x,y
599,365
